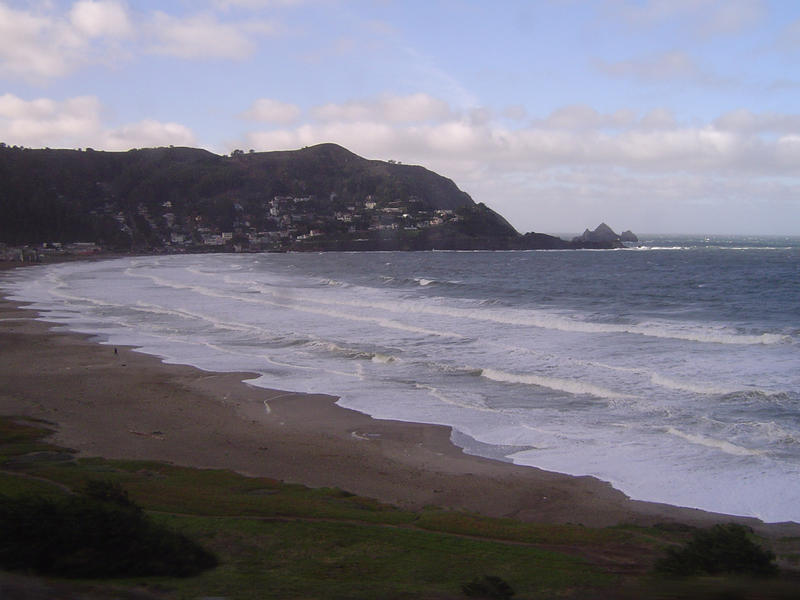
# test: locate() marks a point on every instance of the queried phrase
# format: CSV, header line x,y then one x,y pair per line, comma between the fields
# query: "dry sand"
x,y
125,404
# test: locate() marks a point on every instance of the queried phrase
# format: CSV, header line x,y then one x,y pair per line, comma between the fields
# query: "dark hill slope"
x,y
146,198
329,168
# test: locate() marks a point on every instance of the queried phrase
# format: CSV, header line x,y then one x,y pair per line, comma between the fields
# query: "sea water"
x,y
671,370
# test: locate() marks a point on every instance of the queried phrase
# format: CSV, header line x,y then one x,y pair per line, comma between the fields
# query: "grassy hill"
x,y
277,540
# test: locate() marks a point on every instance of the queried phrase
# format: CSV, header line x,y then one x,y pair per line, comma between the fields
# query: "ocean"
x,y
671,370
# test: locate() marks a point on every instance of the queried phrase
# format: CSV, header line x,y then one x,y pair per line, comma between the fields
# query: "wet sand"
x,y
124,404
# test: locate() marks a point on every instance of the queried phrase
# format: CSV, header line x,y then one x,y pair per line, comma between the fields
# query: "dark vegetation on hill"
x,y
98,533
184,199
726,548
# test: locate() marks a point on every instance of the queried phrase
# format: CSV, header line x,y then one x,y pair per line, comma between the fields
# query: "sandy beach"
x,y
117,403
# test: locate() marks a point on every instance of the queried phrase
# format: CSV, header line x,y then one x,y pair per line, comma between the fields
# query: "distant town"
x,y
286,222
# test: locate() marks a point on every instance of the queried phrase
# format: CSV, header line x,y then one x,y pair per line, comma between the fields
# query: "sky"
x,y
659,116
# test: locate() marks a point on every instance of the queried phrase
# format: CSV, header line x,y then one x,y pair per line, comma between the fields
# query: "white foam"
x,y
384,359
461,403
284,301
563,322
710,442
554,383
688,386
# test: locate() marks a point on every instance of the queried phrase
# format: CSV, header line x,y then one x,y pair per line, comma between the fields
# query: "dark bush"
x,y
99,534
108,491
720,549
488,586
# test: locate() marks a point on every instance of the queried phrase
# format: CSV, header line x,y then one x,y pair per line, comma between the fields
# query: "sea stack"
x,y
602,236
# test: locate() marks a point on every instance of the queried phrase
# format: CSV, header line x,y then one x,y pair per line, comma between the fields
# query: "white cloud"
x,y
748,122
147,133
515,112
487,156
701,17
788,150
255,4
783,85
33,46
582,117
272,111
41,44
98,18
46,122
666,66
396,109
658,118
732,16
644,171
205,36
649,173
789,39
76,123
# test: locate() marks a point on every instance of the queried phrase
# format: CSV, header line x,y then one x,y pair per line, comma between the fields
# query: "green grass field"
x,y
276,540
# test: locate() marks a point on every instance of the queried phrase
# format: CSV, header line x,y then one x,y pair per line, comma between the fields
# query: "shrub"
x,y
720,549
108,491
102,534
488,586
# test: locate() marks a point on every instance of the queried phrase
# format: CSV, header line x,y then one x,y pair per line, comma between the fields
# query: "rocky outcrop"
x,y
602,236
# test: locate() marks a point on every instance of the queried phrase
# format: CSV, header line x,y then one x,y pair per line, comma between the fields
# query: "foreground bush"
x,y
721,549
488,586
100,533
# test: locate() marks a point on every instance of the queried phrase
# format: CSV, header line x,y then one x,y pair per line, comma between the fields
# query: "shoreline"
x,y
126,404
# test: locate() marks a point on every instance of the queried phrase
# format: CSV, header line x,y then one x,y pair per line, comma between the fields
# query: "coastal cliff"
x,y
175,199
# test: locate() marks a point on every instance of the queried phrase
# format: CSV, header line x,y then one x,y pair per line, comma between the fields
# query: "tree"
x,y
720,549
100,533
488,586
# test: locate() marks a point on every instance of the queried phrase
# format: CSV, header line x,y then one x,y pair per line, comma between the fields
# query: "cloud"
x,y
744,121
666,66
658,118
97,18
702,17
396,109
783,85
515,112
640,170
789,39
46,122
732,16
272,111
205,36
76,123
34,46
256,4
42,45
571,137
147,133
45,43
582,117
